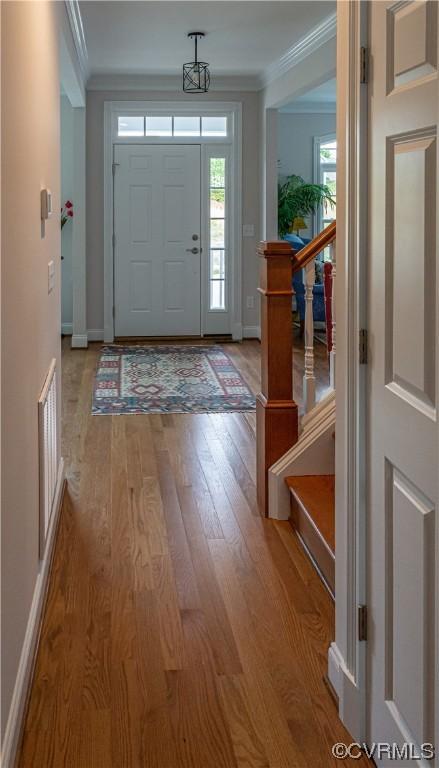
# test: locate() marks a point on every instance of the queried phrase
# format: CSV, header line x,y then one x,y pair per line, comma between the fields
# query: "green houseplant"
x,y
298,198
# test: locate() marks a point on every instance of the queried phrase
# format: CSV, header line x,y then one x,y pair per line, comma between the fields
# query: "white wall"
x,y
312,71
95,175
295,135
30,316
67,193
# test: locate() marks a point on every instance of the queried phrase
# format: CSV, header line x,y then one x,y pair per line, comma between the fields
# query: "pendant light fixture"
x,y
196,75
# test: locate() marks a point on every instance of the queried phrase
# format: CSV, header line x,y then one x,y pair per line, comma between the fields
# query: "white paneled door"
x,y
157,220
403,396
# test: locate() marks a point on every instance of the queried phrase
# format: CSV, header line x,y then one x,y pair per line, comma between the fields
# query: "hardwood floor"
x,y
181,629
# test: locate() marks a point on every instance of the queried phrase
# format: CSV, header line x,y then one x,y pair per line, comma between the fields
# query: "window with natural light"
x,y
158,126
217,233
131,126
328,176
173,126
214,126
187,126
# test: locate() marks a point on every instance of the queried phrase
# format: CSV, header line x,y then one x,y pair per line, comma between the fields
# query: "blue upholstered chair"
x,y
318,302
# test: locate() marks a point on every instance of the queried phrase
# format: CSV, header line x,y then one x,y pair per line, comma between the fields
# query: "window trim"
x,y
316,174
210,320
212,152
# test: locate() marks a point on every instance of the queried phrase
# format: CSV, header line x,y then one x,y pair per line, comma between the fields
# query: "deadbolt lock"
x,y
194,237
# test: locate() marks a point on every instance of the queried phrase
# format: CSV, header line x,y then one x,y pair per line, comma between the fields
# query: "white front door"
x,y
403,458
157,225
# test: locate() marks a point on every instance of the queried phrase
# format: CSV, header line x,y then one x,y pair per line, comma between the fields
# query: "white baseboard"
x,y
95,334
66,329
79,341
318,411
349,698
251,332
236,331
335,663
30,643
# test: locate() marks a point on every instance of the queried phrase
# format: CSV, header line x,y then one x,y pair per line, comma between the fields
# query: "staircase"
x,y
296,457
313,519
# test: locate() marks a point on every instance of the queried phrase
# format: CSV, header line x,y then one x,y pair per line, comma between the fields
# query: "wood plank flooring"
x,y
181,629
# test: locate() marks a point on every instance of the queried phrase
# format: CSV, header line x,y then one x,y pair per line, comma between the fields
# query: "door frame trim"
x,y
196,107
347,655
74,88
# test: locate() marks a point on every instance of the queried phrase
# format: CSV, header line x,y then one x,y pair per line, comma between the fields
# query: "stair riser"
x,y
315,545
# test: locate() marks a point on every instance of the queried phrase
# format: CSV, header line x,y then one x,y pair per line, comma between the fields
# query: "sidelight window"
x,y
217,232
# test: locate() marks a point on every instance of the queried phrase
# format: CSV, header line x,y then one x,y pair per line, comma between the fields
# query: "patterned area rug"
x,y
171,379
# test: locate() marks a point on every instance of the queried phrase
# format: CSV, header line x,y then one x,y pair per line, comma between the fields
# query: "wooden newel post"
x,y
276,411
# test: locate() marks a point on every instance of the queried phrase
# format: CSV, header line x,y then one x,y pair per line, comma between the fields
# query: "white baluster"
x,y
332,356
309,380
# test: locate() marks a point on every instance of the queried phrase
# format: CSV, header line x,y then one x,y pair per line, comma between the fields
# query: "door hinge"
x,y
362,622
364,65
114,311
113,239
113,167
363,346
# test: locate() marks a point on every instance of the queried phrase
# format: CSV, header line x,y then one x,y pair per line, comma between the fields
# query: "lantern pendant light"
x,y
196,75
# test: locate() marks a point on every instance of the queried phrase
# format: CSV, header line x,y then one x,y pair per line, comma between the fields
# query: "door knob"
x,y
192,250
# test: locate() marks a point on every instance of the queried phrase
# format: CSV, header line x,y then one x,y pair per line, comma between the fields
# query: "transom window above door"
x,y
173,126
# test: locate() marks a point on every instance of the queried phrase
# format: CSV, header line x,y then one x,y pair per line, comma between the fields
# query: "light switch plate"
x,y
248,230
46,204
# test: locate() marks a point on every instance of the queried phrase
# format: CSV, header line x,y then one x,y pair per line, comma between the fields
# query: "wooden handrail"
x,y
277,424
312,249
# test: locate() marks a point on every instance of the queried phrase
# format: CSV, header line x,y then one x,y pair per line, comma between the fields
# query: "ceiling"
x,y
321,98
151,37
322,94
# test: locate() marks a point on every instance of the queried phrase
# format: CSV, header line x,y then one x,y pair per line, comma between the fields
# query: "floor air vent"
x,y
48,451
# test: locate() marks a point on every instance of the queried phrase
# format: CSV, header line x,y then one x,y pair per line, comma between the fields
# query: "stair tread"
x,y
316,493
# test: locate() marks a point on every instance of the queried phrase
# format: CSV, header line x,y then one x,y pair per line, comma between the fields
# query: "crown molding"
x,y
169,83
318,36
310,108
77,28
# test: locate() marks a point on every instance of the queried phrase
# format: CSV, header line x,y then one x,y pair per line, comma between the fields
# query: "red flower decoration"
x,y
69,204
70,213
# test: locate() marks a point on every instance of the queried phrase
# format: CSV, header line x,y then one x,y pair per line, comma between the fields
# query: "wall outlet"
x,y
250,302
248,230
50,276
